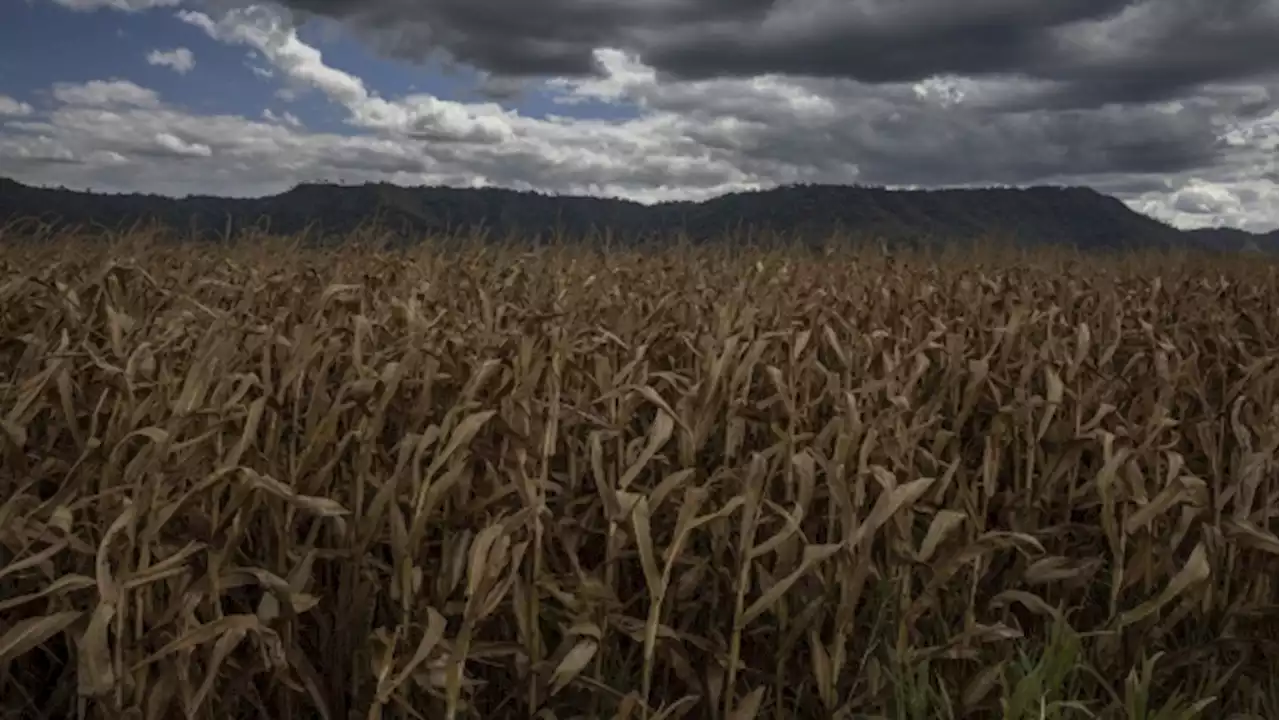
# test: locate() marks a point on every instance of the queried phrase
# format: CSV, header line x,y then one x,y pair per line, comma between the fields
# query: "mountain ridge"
x,y
1073,215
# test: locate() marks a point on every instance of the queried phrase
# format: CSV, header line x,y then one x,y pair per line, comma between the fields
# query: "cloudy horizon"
x,y
1170,105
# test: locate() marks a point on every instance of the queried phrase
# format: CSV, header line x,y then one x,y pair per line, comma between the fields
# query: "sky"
x,y
1170,105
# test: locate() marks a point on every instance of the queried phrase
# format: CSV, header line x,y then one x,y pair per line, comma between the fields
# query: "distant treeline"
x,y
811,214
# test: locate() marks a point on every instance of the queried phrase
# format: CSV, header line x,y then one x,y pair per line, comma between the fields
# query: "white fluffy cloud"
x,y
10,107
420,115
102,93
176,145
181,60
285,117
1189,161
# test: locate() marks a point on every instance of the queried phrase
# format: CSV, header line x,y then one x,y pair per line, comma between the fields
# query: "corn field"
x,y
280,482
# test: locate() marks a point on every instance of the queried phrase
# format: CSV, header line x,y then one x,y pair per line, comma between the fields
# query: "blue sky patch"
x,y
43,43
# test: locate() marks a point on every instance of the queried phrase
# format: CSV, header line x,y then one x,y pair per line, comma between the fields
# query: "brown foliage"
x,y
286,483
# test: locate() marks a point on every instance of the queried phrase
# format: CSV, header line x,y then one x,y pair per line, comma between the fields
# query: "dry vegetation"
x,y
291,483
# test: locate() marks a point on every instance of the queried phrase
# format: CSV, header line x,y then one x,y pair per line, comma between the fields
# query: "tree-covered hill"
x,y
1072,215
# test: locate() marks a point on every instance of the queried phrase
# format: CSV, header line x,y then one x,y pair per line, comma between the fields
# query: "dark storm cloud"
x,y
901,135
1090,52
515,38
880,42
1168,47
895,141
